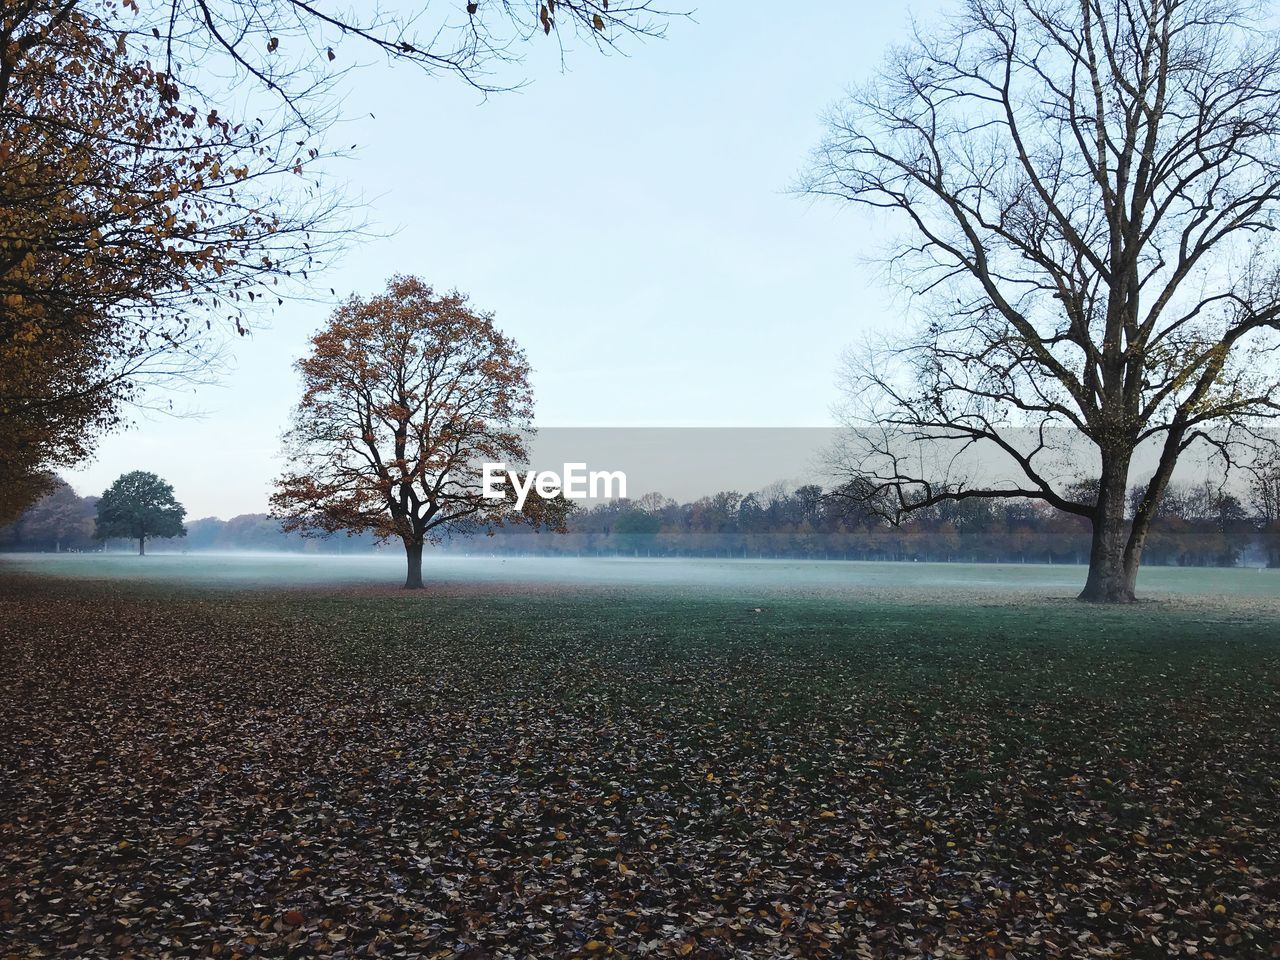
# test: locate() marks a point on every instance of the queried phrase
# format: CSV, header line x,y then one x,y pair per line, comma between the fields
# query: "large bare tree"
x,y
1089,193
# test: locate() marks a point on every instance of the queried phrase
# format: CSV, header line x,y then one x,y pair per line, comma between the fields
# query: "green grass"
x,y
780,768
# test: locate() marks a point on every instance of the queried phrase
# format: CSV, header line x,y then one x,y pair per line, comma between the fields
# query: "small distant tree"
x,y
139,505
406,396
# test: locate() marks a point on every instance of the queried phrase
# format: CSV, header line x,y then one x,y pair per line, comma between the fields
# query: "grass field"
x,y
824,760
913,581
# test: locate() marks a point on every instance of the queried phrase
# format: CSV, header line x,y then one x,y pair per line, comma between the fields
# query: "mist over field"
x,y
909,582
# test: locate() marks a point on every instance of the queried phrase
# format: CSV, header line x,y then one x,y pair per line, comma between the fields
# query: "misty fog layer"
x,y
748,579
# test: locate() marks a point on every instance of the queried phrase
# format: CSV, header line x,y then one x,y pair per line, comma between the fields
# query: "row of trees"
x,y
59,520
1199,525
141,508
138,506
261,531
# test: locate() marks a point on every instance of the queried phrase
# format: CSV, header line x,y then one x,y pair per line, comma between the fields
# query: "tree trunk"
x,y
413,553
1112,577
142,546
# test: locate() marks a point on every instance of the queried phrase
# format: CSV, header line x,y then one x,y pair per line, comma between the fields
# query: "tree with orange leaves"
x,y
130,222
406,396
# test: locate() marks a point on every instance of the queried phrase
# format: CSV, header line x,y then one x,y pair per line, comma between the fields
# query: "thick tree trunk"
x,y
413,553
1112,577
142,546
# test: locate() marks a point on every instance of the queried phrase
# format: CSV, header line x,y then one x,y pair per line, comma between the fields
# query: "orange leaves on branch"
x,y
114,205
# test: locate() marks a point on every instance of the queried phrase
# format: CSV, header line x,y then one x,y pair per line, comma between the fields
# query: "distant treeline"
x,y
1198,525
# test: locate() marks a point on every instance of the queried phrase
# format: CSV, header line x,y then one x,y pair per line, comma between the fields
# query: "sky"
x,y
630,219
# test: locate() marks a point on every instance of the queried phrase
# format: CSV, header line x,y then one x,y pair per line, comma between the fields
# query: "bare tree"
x,y
295,49
1264,490
1089,189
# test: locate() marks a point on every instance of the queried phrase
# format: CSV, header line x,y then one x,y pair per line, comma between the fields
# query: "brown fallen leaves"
x,y
235,775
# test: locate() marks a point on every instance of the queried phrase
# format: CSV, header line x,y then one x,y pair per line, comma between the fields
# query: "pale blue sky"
x,y
629,221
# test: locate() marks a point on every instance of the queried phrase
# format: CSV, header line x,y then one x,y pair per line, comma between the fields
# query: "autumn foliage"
x,y
130,223
406,396
139,506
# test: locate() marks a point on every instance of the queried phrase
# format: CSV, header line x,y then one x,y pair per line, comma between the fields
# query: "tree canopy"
x,y
128,221
139,505
406,395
